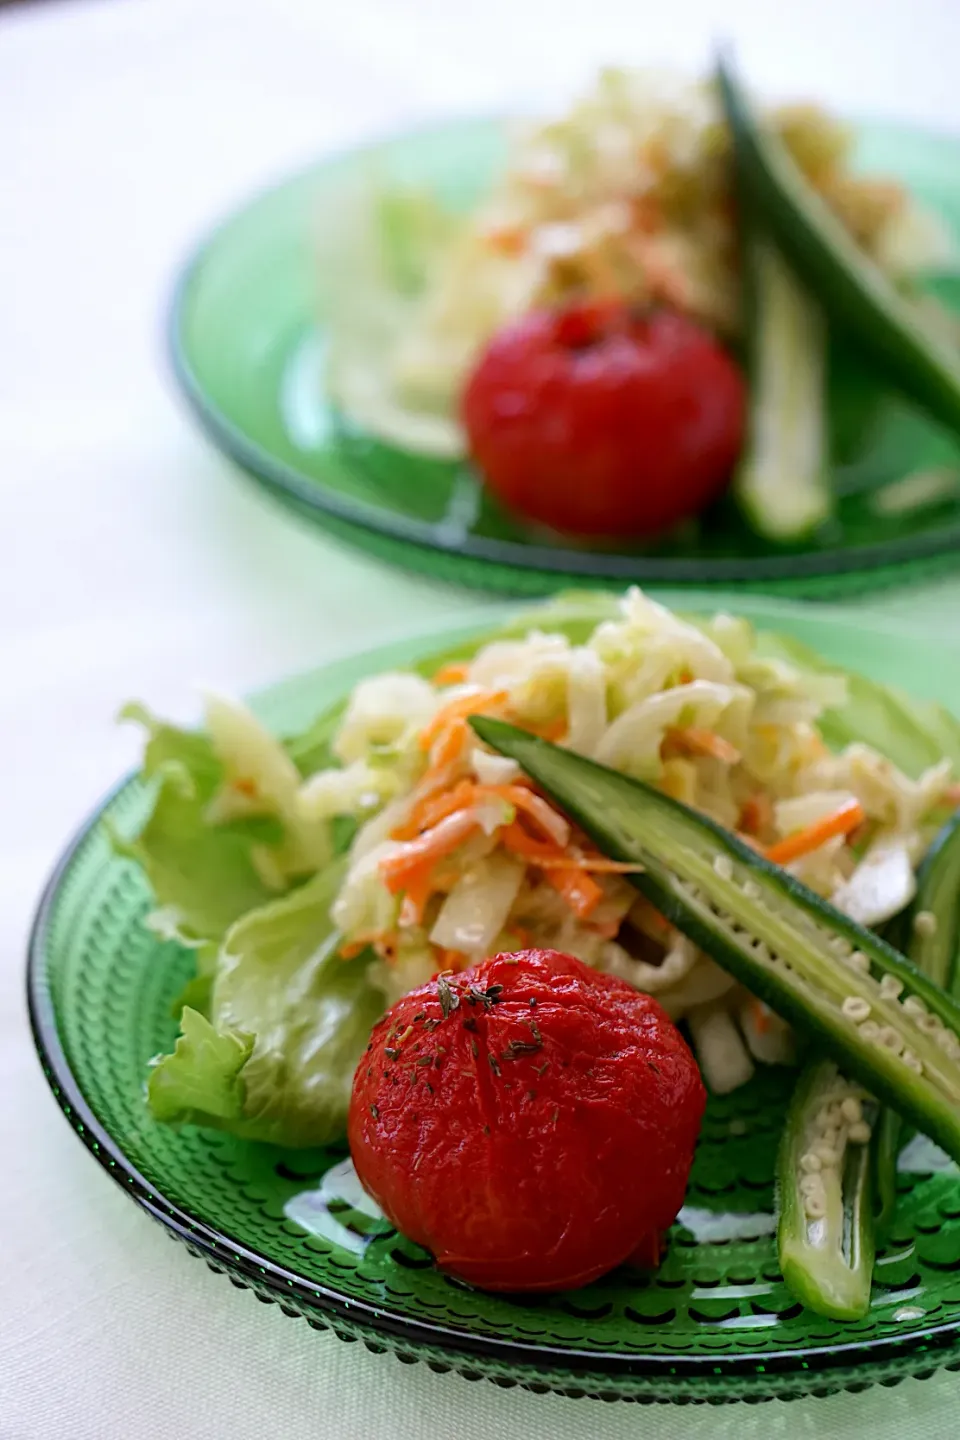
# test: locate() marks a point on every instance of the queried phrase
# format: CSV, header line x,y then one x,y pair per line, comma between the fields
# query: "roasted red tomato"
x,y
597,421
531,1121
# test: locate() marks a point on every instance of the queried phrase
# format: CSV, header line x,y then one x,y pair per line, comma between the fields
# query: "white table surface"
x,y
135,562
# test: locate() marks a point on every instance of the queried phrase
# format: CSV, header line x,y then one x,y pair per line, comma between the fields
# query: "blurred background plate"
x,y
247,333
715,1322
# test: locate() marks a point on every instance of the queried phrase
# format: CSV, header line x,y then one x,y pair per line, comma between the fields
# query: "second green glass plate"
x,y
714,1323
247,335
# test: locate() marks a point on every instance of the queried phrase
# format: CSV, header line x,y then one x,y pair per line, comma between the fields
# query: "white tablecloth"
x,y
135,562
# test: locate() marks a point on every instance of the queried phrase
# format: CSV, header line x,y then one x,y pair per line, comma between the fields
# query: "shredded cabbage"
x,y
494,769
632,743
385,713
478,907
882,885
586,702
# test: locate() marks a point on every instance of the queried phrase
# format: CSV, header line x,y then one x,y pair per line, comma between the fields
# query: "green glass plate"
x,y
247,334
715,1323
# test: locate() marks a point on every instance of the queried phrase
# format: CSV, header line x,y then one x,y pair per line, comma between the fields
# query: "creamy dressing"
x,y
311,1208
709,1226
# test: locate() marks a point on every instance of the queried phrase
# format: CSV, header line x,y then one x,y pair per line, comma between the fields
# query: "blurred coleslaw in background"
x,y
630,194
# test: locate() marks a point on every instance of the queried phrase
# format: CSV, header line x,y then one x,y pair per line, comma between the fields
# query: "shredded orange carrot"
x,y
430,809
482,702
598,865
538,852
418,891
445,756
552,730
246,787
690,740
548,856
756,814
355,947
761,1016
580,890
570,880
543,815
840,822
589,864
507,239
566,873
384,943
451,960
607,930
402,870
451,674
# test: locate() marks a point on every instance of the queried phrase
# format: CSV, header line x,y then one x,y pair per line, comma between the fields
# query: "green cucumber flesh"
x,y
826,1257
782,483
789,947
853,290
888,1142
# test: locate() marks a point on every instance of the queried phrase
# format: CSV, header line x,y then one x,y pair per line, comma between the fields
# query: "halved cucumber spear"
x,y
837,1165
854,292
782,483
825,1187
883,1022
929,934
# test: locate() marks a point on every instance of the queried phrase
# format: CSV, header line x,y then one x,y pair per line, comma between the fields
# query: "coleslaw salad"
x,y
321,877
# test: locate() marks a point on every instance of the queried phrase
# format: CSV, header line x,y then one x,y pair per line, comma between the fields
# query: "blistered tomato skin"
x,y
531,1121
598,422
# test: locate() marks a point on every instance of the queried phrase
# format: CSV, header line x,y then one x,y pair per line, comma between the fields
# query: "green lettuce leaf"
x,y
198,991
299,1013
914,734
201,1081
204,873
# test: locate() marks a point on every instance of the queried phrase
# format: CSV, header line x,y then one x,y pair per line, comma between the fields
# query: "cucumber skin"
x,y
542,760
853,291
